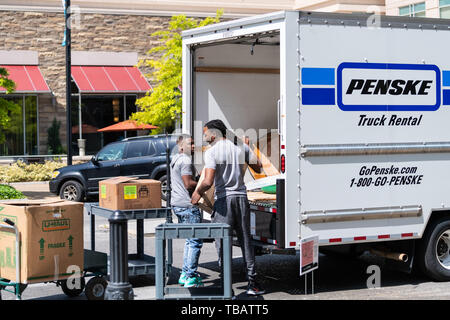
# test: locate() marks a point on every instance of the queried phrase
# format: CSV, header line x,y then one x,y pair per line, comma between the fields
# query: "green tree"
x,y
54,142
6,107
161,106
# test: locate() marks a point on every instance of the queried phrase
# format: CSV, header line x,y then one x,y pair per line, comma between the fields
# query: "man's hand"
x,y
195,198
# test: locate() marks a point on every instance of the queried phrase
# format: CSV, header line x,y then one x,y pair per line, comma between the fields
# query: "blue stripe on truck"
x,y
318,96
446,78
446,98
318,76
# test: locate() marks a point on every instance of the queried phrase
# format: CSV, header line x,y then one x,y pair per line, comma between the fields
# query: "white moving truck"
x,y
362,112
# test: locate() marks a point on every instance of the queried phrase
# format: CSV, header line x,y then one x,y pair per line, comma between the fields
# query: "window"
x,y
152,149
22,135
413,10
98,112
161,146
137,149
444,9
112,151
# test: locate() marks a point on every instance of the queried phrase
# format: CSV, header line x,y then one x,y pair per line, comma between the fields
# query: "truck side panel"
x,y
374,131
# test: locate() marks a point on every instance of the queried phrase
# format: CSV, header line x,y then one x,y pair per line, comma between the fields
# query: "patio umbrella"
x,y
127,125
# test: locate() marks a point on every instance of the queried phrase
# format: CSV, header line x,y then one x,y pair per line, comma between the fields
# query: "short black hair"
x,y
217,124
182,137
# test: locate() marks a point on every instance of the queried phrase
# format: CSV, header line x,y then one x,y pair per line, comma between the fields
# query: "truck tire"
x,y
433,251
72,190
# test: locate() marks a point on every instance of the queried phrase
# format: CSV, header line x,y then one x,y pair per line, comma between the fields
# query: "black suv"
x,y
140,157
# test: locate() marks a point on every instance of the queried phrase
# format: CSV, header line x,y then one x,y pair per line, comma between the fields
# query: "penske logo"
x,y
388,87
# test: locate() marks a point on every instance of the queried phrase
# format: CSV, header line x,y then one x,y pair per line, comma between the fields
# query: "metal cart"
x,y
94,266
138,263
96,263
18,287
5,283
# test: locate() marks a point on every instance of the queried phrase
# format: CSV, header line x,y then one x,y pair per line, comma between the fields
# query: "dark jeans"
x,y
235,211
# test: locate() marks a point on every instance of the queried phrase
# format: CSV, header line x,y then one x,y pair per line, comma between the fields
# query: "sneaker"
x,y
254,289
182,279
193,282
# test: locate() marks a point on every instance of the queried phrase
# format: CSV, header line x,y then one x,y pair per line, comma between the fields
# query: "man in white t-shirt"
x,y
183,182
224,167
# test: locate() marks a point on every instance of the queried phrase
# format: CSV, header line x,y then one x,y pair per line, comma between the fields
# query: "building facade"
x,y
419,8
109,37
108,40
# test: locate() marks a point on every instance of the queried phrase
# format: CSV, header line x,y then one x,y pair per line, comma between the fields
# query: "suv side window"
x,y
111,152
162,146
137,149
152,149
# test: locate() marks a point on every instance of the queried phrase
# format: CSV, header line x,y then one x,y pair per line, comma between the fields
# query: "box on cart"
x,y
51,240
127,193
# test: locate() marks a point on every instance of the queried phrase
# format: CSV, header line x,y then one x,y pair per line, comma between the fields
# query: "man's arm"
x,y
207,183
188,182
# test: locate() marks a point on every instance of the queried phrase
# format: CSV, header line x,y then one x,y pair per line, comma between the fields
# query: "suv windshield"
x,y
111,152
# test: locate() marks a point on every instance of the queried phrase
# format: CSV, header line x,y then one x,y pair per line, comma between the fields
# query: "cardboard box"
x,y
206,202
51,240
127,193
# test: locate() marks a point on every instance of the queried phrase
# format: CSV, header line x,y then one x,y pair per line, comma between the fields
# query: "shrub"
x,y
8,192
54,143
21,172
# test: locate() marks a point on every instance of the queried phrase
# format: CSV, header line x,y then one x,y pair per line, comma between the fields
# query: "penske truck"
x,y
357,107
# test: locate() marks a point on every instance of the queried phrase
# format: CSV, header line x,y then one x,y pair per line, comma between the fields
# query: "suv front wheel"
x,y
164,186
72,190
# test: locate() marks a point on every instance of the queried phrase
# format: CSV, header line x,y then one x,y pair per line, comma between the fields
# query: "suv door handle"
x,y
117,165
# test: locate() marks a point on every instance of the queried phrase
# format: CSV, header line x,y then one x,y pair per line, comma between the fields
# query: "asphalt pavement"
x,y
337,278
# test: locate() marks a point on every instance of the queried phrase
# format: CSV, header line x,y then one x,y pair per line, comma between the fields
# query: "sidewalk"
x,y
36,190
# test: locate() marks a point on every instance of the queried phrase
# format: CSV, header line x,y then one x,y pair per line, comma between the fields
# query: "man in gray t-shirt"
x,y
183,183
224,166
228,161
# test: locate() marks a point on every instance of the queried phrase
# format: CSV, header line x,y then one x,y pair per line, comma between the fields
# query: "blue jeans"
x,y
192,246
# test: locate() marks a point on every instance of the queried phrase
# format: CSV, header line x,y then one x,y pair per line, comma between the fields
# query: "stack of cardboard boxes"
x,y
51,240
51,232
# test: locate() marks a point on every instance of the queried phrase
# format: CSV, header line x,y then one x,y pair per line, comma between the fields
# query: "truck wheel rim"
x,y
164,187
70,192
442,249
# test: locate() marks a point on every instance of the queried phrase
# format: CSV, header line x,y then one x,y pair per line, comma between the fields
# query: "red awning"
x,y
28,79
90,79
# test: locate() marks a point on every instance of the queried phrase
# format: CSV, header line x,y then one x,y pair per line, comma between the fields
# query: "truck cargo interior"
x,y
238,81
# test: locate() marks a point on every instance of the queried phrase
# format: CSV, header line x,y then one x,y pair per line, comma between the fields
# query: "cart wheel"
x,y
167,272
72,292
95,288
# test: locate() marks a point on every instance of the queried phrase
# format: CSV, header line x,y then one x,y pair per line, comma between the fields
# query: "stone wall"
x,y
43,32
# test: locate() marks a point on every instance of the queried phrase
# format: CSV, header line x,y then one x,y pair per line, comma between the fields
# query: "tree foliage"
x,y
161,106
54,142
6,107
